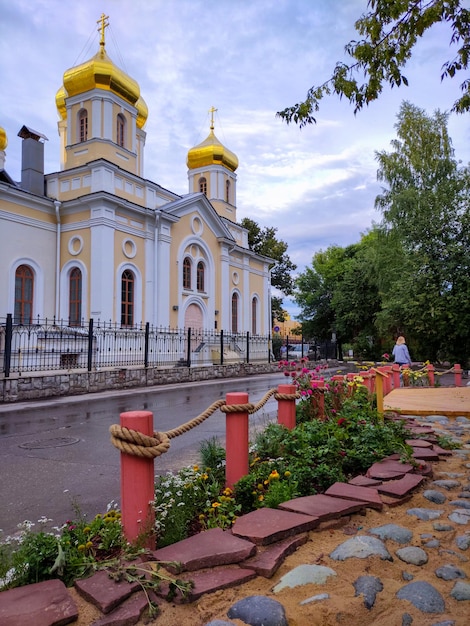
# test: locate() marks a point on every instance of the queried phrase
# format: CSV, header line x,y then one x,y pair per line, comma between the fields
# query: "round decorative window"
x,y
196,225
235,278
129,248
75,245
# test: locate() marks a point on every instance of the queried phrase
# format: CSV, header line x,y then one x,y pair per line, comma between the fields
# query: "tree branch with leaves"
x,y
389,32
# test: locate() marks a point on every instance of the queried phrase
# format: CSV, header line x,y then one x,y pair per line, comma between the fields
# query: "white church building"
x,y
97,239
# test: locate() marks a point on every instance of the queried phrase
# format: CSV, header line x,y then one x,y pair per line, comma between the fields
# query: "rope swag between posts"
x,y
137,444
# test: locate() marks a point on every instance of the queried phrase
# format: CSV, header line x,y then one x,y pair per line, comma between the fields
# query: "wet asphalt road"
x,y
56,455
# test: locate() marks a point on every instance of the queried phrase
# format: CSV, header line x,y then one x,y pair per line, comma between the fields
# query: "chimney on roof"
x,y
32,161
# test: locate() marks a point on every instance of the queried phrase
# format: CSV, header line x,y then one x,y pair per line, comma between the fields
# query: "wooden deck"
x,y
449,401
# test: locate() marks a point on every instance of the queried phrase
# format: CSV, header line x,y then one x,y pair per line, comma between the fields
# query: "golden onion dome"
x,y
3,139
100,72
211,152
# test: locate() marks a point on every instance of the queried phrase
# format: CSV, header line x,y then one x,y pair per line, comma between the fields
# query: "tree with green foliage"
x,y
426,208
388,33
264,241
411,273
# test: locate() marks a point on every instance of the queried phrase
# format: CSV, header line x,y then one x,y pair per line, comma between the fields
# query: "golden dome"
x,y
211,152
3,139
100,72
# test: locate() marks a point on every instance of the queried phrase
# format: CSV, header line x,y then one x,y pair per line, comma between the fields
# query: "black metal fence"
x,y
50,345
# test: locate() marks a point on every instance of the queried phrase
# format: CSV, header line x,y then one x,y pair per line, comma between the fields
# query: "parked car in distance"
x,y
295,351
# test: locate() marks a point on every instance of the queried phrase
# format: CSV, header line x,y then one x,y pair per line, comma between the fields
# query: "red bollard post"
x,y
286,408
430,369
137,484
458,375
396,376
236,444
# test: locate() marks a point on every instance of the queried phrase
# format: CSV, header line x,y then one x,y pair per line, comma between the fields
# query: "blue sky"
x,y
249,59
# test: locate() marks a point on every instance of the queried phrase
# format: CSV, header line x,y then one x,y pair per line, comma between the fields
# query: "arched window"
x,y
203,185
187,273
200,276
254,316
83,125
120,130
24,290
127,298
227,191
235,313
75,297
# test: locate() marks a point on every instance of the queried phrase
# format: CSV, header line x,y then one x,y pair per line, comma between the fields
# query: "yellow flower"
x,y
260,486
287,474
87,529
202,516
274,475
205,476
88,545
81,548
261,498
196,468
215,505
227,491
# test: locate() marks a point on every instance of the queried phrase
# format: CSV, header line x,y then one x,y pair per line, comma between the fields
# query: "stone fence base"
x,y
35,386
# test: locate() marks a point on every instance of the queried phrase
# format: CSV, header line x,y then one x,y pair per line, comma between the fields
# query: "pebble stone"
x,y
449,572
463,542
412,555
304,575
435,496
463,504
432,543
393,532
317,598
460,516
369,587
461,591
361,547
407,576
425,514
406,619
442,527
423,596
259,611
448,622
446,484
219,622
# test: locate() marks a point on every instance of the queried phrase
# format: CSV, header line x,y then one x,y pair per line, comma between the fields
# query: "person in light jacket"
x,y
400,352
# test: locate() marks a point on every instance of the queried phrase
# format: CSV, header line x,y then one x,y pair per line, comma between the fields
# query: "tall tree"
x,y
388,34
426,205
264,241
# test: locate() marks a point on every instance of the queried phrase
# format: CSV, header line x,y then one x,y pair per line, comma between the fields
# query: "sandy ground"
x,y
343,607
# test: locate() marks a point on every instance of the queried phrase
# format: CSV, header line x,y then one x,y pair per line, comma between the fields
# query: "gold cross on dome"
x,y
212,110
103,23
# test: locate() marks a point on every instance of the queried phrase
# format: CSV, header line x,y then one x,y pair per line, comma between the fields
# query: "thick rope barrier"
x,y
137,444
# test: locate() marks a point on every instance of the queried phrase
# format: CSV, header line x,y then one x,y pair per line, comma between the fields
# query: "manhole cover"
x,y
57,442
